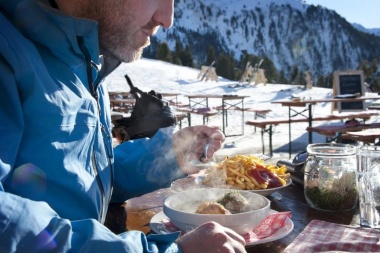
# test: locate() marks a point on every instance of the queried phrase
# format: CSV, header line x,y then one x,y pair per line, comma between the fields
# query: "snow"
x,y
164,77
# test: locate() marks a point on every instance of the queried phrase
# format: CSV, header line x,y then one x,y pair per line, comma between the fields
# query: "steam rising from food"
x,y
232,200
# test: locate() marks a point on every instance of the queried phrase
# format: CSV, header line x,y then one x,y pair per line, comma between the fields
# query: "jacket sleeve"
x,y
30,226
144,165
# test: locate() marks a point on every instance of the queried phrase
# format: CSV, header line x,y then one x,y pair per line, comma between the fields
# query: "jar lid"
x,y
331,149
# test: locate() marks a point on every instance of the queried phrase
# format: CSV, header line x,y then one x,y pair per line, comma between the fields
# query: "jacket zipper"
x,y
93,158
109,156
99,181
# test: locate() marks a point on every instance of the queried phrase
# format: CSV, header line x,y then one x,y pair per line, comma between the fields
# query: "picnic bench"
x,y
307,105
367,136
347,131
179,117
200,103
266,125
204,112
258,112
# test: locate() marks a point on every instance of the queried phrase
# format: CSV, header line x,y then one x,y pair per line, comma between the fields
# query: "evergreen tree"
x,y
163,52
375,84
321,82
294,74
281,78
225,66
330,80
267,65
210,55
186,57
369,69
177,53
270,70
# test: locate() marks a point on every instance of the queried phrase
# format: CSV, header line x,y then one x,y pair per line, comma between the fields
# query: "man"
x,y
58,170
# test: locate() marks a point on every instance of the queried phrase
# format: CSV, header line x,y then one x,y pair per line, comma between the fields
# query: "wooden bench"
x,y
258,113
236,108
339,132
367,136
122,104
266,125
204,112
178,104
179,117
374,107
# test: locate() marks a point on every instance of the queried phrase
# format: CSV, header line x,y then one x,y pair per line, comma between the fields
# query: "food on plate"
x,y
234,202
211,207
246,172
230,202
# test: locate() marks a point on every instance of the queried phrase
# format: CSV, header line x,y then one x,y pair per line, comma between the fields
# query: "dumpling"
x,y
211,208
234,202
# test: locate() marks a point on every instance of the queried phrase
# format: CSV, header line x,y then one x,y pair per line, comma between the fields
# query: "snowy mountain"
x,y
375,31
289,32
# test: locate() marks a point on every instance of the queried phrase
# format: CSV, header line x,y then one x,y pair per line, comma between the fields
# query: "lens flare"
x,y
29,179
45,241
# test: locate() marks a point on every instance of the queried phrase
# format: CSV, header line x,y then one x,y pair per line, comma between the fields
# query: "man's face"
x,y
125,26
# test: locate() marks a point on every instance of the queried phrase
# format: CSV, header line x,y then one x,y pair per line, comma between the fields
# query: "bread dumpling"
x,y
211,208
234,202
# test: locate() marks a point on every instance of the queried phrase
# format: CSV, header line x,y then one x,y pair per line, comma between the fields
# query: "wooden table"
x,y
228,102
136,214
308,111
127,98
119,101
172,98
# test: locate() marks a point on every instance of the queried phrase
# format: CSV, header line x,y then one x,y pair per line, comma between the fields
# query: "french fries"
x,y
246,172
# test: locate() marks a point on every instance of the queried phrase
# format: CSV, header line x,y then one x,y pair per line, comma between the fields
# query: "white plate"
x,y
159,228
264,192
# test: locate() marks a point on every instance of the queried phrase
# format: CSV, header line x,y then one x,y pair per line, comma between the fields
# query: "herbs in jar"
x,y
330,177
336,195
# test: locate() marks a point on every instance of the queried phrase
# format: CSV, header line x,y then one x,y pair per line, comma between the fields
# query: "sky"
x,y
363,12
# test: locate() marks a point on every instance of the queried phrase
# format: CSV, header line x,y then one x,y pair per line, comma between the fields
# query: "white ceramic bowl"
x,y
180,209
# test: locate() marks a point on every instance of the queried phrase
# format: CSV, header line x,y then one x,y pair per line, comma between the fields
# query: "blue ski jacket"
x,y
58,170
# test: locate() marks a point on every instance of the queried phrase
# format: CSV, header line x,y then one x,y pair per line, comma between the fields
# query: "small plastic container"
x,y
330,177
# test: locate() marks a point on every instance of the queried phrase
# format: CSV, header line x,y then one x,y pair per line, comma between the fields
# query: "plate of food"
x,y
158,226
246,172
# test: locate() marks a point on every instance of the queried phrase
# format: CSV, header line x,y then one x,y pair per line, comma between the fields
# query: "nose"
x,y
165,13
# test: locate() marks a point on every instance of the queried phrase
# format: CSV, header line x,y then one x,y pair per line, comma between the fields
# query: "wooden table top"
x,y
303,102
136,214
225,97
123,100
343,128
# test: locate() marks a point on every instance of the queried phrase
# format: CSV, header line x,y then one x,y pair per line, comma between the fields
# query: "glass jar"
x,y
330,177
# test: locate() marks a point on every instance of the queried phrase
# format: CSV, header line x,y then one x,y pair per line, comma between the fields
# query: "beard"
x,y
119,44
117,32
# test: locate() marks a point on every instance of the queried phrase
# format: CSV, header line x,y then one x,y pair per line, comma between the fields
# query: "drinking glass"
x,y
368,180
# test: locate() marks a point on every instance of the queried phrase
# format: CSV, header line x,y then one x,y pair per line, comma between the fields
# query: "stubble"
x,y
116,29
